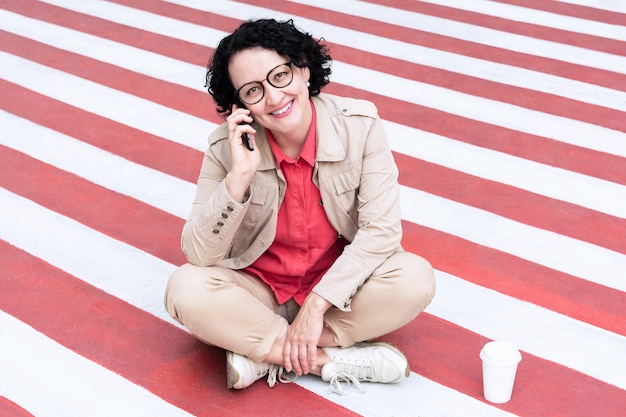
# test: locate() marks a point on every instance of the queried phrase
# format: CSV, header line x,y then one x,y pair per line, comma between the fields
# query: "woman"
x,y
293,242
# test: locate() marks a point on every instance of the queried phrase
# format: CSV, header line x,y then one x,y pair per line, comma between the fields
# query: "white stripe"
x,y
544,247
113,266
190,131
574,257
109,264
188,75
173,195
416,396
130,16
610,5
533,329
490,37
124,56
533,17
139,278
540,255
124,108
153,187
489,111
559,184
492,71
49,380
485,110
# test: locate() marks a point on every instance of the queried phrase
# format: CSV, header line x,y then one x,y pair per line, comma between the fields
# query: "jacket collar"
x,y
329,145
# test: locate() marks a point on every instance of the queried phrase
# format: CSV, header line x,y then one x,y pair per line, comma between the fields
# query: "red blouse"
x,y
306,245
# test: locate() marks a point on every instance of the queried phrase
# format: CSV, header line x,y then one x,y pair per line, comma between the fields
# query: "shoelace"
x,y
277,373
339,377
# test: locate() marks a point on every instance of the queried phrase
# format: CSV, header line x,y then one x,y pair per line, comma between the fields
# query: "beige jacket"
x,y
357,178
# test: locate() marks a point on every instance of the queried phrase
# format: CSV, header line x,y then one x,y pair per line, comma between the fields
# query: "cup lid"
x,y
500,352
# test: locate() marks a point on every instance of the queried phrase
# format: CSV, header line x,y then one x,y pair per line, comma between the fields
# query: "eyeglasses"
x,y
278,77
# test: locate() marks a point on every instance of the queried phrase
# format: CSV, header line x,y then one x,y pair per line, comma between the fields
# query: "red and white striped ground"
x,y
508,123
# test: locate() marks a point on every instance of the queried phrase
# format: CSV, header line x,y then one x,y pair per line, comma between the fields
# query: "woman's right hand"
x,y
244,161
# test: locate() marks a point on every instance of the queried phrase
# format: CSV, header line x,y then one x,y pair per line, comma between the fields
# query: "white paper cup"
x,y
500,361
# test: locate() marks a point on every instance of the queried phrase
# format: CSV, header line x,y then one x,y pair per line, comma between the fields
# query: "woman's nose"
x,y
273,95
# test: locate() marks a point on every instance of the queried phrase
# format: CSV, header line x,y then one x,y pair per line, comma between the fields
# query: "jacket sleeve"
x,y
215,216
378,220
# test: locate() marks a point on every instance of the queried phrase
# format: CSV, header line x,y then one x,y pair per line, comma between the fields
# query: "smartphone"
x,y
247,140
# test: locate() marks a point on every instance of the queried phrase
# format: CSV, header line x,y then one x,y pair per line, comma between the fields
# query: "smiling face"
x,y
286,111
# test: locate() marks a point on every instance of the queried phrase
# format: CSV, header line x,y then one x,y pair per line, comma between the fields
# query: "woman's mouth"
x,y
282,110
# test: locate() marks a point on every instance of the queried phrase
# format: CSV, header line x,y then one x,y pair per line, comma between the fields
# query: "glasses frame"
x,y
267,78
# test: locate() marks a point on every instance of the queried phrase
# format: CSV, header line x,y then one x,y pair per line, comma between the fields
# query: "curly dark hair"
x,y
280,36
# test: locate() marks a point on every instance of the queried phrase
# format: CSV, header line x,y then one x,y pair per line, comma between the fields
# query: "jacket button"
x,y
220,223
216,231
224,215
229,208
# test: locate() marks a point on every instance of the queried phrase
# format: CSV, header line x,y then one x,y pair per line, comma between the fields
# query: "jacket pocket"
x,y
346,186
257,205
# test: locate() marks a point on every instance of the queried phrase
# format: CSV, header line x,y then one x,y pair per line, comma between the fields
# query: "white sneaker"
x,y
241,372
372,362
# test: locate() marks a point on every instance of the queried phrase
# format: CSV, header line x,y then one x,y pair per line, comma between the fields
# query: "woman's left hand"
x,y
301,342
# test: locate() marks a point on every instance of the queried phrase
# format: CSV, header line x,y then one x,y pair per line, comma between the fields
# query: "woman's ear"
x,y
306,75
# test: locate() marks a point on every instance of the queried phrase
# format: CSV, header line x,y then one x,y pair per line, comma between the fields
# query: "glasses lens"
x,y
280,76
251,93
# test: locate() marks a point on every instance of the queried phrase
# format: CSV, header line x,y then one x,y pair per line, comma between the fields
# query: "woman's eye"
x,y
252,91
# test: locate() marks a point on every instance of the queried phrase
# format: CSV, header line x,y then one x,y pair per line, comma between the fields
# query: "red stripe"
x,y
190,375
86,123
518,96
514,203
135,145
588,302
585,314
9,409
598,43
138,346
183,371
448,354
573,10
542,150
127,219
557,291
194,102
578,72
535,148
604,78
105,29
184,163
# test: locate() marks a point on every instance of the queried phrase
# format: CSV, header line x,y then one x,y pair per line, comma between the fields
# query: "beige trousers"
x,y
238,312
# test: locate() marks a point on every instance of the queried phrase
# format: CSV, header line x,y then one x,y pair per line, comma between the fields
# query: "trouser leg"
x,y
395,294
226,308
